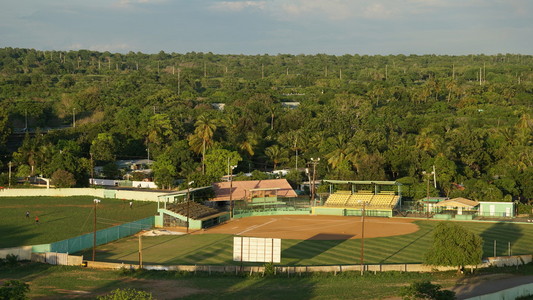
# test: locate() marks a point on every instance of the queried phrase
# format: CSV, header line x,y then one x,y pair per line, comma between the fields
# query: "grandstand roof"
x,y
242,189
378,182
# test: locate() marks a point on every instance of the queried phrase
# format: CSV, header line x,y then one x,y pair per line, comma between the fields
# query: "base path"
x,y
314,227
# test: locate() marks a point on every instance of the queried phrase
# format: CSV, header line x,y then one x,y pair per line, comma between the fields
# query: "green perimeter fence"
x,y
103,236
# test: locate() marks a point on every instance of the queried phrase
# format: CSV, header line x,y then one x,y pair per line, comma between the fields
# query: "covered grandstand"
x,y
177,208
350,197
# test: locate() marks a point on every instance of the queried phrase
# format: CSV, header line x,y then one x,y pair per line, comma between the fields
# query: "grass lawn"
x,y
62,217
216,249
60,282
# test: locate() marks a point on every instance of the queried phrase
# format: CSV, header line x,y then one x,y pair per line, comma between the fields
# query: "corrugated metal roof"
x,y
458,202
242,189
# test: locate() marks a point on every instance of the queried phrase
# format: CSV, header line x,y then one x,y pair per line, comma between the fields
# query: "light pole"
x,y
231,191
188,199
428,175
95,201
363,238
314,161
9,164
92,168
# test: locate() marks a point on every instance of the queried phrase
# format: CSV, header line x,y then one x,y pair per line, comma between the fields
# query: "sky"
x,y
337,27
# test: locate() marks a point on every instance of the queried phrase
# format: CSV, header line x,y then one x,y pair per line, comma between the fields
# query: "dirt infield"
x,y
314,227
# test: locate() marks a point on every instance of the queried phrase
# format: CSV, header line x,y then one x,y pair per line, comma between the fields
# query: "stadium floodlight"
x,y
231,204
188,200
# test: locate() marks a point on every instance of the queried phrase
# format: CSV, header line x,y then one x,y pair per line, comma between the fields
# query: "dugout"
x,y
351,197
177,208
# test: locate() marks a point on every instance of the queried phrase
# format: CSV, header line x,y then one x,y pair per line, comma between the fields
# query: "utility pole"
x,y
9,164
140,252
179,83
74,117
363,238
92,167
428,175
434,177
453,71
231,205
314,162
95,201
188,200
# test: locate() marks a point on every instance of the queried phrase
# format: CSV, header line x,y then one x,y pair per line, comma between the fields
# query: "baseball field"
x,y
315,240
62,217
306,240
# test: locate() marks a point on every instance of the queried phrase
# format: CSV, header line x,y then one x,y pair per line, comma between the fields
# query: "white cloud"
x,y
377,11
132,3
237,6
331,9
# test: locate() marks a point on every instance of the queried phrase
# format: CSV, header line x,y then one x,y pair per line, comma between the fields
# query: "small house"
x,y
496,209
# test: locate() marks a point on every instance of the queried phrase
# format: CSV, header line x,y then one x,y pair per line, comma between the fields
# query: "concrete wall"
x,y
512,293
23,253
505,261
271,213
336,211
518,260
99,193
55,258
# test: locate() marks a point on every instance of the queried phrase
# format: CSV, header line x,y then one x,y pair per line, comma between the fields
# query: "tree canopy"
x,y
387,117
455,246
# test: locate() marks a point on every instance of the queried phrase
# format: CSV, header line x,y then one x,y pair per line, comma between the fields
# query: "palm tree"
x,y
276,154
203,136
248,144
343,150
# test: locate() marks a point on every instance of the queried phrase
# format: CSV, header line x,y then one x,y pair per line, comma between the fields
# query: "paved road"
x,y
486,284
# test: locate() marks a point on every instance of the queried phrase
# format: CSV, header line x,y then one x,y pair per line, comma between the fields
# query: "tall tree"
x,y
202,138
277,155
454,246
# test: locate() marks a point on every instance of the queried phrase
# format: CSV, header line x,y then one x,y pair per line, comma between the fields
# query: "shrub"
x,y
14,290
269,269
126,294
12,259
425,290
63,179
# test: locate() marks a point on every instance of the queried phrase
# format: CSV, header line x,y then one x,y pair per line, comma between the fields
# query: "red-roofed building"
x,y
253,189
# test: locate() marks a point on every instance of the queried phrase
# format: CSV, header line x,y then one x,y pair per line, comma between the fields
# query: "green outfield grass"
x,y
62,217
216,249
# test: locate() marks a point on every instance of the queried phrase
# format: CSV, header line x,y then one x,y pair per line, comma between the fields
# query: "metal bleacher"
x,y
382,200
337,199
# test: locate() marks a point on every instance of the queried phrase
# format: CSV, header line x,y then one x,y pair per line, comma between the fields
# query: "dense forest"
x,y
366,117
